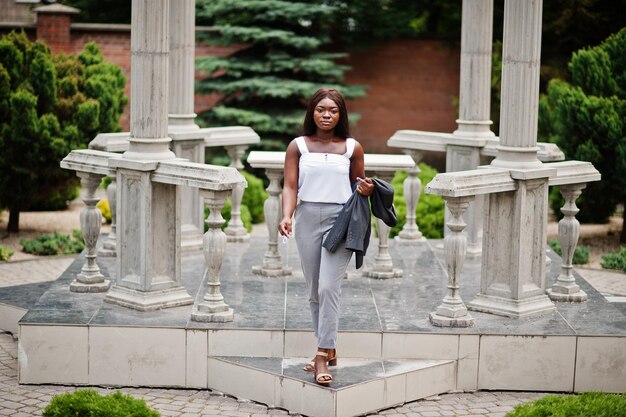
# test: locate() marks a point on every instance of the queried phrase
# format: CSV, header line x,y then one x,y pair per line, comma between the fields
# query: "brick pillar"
x,y
53,26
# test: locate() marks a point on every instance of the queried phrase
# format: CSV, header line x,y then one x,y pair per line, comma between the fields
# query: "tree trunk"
x,y
622,238
14,221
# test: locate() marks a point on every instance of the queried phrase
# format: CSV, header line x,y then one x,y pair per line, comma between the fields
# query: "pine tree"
x,y
265,84
49,105
587,120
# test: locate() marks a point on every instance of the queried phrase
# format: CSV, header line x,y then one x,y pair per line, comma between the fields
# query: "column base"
x,y
148,301
372,273
443,321
571,297
107,253
271,272
209,316
474,251
409,238
508,307
77,286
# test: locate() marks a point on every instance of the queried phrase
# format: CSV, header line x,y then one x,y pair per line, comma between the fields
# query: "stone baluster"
x,y
109,246
565,287
235,231
383,265
452,311
272,262
90,279
213,308
412,187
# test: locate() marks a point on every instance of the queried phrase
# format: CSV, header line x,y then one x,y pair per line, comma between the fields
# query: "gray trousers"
x,y
323,271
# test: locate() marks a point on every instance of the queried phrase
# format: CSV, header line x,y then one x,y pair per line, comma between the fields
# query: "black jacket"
x,y
354,224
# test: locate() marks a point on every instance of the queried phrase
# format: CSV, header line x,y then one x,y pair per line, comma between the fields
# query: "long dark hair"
x,y
342,129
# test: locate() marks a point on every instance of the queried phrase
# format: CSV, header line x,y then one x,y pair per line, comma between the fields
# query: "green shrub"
x,y
615,260
590,404
89,403
430,208
5,254
54,244
581,253
254,196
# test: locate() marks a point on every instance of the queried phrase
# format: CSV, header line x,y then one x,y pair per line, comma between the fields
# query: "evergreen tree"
x,y
49,106
265,84
587,120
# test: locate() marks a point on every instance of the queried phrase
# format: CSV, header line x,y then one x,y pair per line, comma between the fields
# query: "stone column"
x,y
235,231
565,287
148,213
213,308
383,264
90,279
475,82
181,117
412,188
452,311
521,52
474,122
514,235
109,245
272,262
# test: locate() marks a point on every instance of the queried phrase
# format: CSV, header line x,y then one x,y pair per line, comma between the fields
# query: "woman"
x,y
320,168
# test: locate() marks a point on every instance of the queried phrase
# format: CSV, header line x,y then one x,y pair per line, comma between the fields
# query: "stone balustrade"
x,y
459,189
235,139
380,165
215,185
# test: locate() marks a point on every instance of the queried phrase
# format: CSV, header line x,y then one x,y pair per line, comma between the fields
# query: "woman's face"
x,y
326,114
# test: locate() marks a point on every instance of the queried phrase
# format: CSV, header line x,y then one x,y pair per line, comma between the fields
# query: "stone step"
x,y
360,386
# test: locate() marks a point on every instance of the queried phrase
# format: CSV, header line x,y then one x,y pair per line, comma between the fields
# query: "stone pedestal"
x,y
565,287
90,279
213,308
148,251
452,311
514,247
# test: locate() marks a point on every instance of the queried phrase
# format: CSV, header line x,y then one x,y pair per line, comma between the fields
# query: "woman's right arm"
x,y
290,188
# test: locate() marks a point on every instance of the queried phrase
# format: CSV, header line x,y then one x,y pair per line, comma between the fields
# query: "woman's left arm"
x,y
357,171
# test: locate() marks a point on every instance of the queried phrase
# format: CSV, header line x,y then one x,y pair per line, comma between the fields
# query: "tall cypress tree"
x,y
265,84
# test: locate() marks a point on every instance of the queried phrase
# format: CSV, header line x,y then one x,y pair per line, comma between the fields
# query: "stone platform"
x,y
387,348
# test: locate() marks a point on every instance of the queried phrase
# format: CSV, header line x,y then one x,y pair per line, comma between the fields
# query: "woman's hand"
x,y
284,228
365,187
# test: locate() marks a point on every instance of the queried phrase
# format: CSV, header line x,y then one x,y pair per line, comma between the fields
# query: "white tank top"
x,y
324,177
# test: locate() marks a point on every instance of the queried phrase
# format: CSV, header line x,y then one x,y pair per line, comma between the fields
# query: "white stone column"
x,y
187,139
475,81
383,264
565,287
272,208
90,279
148,213
521,52
235,231
452,311
514,234
213,308
109,244
412,188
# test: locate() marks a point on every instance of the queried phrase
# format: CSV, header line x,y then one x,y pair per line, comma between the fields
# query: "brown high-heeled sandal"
x,y
319,377
310,367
